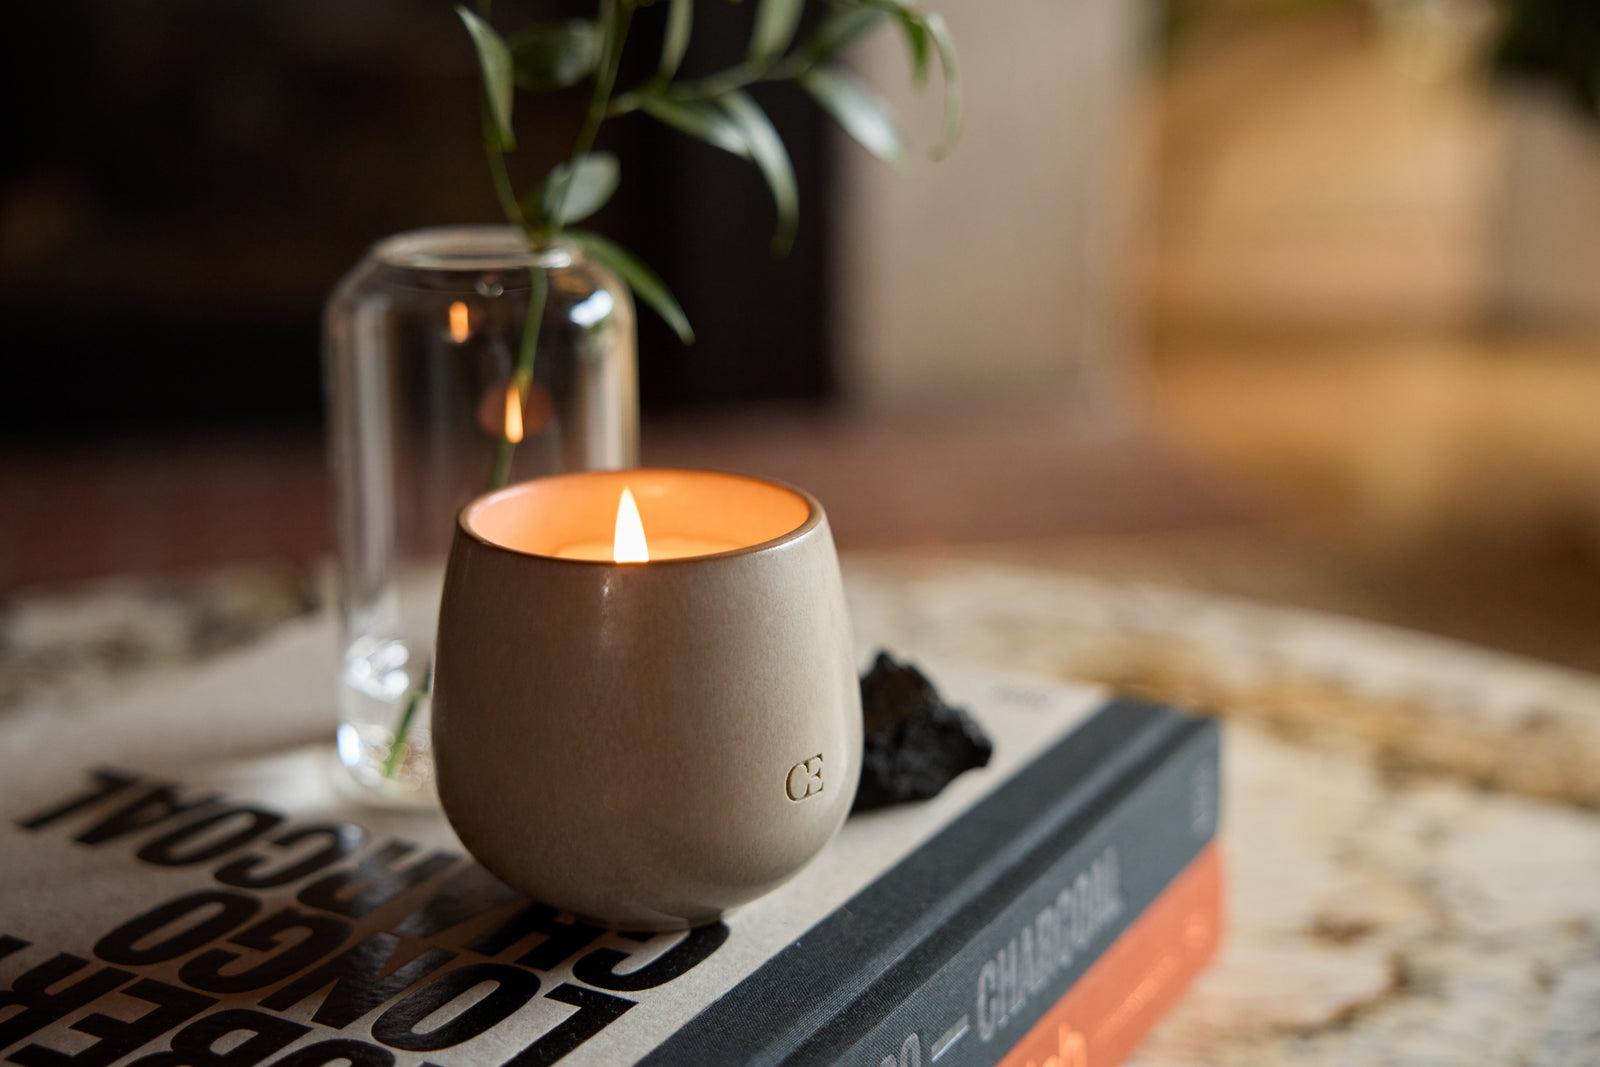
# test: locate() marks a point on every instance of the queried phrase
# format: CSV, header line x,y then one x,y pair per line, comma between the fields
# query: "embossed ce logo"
x,y
805,778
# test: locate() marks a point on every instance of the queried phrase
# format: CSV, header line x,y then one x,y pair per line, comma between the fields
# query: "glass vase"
x,y
458,359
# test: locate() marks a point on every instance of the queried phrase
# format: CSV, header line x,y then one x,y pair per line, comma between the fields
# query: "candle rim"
x,y
813,519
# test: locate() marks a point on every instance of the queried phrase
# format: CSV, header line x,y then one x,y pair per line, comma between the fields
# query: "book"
x,y
182,876
1122,995
966,942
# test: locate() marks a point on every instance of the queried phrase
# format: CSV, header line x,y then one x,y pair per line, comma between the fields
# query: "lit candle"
x,y
636,738
636,516
630,544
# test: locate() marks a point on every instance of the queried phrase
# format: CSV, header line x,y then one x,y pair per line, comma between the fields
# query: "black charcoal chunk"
x,y
915,743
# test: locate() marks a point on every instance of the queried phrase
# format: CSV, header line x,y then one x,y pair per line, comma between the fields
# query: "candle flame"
x,y
629,545
459,327
513,413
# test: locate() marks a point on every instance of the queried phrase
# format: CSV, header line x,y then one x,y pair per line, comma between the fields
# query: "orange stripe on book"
x,y
1116,1002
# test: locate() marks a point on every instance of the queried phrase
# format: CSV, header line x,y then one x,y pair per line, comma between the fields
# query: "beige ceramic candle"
x,y
651,743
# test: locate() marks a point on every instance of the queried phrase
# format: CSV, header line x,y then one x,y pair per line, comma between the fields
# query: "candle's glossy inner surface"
x,y
684,513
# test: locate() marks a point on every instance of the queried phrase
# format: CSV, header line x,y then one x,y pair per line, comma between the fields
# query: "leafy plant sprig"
x,y
716,109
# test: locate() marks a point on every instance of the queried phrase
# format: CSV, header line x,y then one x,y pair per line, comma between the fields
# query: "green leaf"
x,y
766,149
576,191
776,21
910,20
701,120
946,46
640,278
861,112
555,55
916,35
680,19
842,30
494,60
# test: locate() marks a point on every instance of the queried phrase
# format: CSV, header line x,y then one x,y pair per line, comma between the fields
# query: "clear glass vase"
x,y
439,391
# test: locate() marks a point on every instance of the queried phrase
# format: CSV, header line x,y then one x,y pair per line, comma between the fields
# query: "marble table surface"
x,y
1412,825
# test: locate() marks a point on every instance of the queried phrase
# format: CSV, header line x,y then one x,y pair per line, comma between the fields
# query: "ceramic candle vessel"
x,y
647,745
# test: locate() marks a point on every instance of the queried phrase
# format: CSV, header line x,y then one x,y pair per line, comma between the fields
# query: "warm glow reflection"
x,y
458,322
513,414
629,545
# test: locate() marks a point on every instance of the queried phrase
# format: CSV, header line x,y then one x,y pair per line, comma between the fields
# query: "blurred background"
x,y
1293,299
